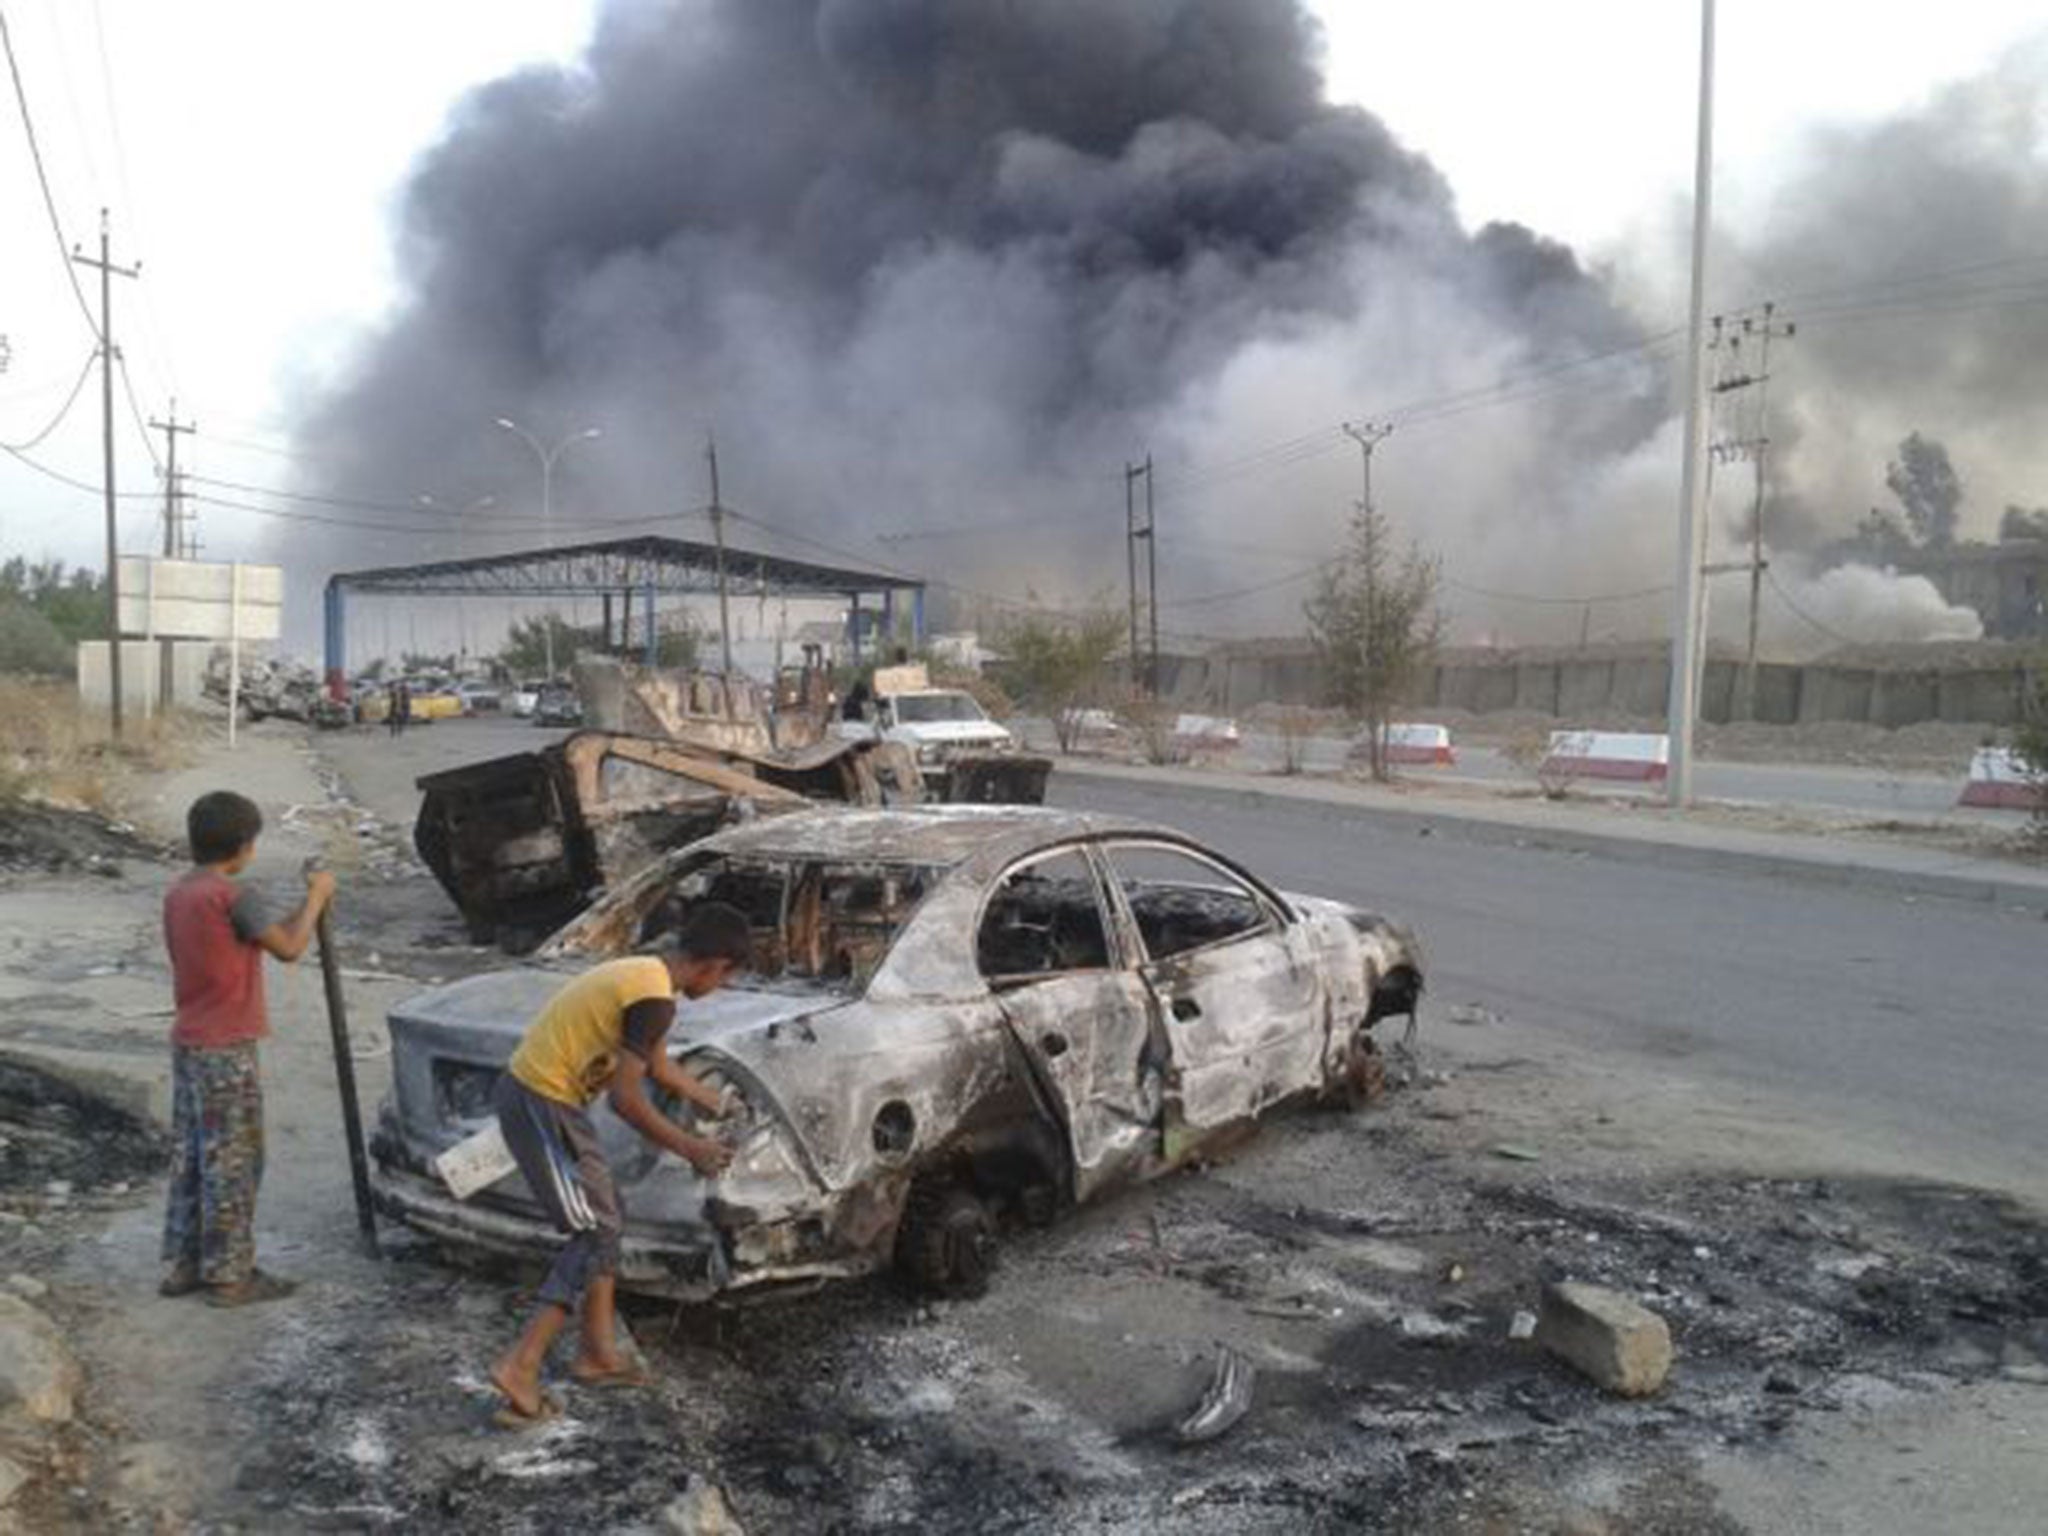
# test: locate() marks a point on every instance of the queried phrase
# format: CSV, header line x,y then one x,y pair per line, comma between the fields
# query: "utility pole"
x,y
1762,328
1690,614
107,270
1368,436
1132,534
174,490
173,533
718,538
1152,579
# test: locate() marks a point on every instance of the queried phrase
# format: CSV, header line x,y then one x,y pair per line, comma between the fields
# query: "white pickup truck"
x,y
960,752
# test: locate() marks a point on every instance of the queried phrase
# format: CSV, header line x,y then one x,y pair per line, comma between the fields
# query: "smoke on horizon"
x,y
926,266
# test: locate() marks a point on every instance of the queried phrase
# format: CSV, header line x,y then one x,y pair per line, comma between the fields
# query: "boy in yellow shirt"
x,y
603,1033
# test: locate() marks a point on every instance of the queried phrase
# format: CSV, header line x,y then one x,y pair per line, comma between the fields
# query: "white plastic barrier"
x,y
1640,757
1417,746
2000,781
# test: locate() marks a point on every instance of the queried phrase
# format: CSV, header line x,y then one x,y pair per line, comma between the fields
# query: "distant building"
x,y
2006,583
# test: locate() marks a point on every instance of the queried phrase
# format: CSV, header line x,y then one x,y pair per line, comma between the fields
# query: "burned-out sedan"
x,y
955,1017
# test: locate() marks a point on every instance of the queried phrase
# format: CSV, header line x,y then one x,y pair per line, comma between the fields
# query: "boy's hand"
x,y
709,1158
319,886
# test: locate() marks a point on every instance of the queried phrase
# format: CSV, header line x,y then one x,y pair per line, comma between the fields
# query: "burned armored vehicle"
x,y
955,1017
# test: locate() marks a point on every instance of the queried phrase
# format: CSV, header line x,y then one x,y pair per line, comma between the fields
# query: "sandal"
x,y
509,1415
630,1374
259,1287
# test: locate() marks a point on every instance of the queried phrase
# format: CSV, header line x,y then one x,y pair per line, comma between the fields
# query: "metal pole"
x,y
718,537
1151,581
345,1081
1131,561
107,450
234,648
547,539
1689,615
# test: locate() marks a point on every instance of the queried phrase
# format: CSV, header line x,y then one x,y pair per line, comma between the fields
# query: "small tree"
x,y
1374,617
1060,666
525,651
2030,738
1928,489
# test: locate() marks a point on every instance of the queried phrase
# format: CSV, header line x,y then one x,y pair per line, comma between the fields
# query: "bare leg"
x,y
517,1374
599,1355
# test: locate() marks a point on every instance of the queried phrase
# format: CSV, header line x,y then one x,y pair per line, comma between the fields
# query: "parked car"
x,y
522,698
955,1017
558,704
479,698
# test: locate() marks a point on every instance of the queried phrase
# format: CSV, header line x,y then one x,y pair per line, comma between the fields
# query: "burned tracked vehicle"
x,y
954,1016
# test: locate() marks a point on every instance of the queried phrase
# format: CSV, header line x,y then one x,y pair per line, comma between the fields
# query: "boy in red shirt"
x,y
217,931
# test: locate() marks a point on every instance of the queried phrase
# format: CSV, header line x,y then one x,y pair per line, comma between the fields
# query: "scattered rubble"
x,y
1617,1344
1227,1399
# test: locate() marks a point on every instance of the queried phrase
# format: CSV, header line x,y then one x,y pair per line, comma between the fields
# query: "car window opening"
x,y
829,924
1182,903
1043,920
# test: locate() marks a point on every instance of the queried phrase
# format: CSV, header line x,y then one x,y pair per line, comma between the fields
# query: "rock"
x,y
701,1510
37,1372
1522,1326
1620,1345
27,1287
12,1475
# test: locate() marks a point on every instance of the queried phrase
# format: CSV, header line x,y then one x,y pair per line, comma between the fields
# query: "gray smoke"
x,y
932,265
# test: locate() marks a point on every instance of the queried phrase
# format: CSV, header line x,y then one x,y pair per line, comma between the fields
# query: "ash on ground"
x,y
1391,1394
58,839
58,1137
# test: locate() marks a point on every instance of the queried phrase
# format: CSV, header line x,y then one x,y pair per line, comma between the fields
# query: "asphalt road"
x,y
1915,1023
1918,1024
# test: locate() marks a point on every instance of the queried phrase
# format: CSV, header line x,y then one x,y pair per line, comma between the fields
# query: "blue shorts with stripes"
x,y
557,1150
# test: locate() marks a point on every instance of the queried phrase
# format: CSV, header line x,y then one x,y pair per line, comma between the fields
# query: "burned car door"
x,y
1078,1008
1238,991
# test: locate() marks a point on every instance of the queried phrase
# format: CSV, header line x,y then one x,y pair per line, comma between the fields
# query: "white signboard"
x,y
197,599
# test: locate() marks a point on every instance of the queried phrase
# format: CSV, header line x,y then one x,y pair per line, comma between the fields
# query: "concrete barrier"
x,y
1642,758
2000,781
1418,746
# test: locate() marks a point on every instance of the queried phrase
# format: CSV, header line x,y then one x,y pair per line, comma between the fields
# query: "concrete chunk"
x,y
37,1373
1621,1346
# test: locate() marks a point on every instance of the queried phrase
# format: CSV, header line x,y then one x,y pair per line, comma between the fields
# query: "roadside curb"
x,y
1958,877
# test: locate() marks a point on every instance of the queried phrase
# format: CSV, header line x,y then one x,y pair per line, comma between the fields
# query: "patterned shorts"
x,y
216,1162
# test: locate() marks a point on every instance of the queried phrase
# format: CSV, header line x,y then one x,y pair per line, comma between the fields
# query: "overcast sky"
x,y
249,150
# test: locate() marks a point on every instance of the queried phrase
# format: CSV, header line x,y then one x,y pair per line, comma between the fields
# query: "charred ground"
x,y
1390,1394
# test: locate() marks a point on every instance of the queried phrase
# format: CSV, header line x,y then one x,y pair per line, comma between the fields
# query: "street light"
x,y
547,457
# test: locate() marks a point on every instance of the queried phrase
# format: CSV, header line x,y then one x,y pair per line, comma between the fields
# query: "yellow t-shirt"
x,y
571,1051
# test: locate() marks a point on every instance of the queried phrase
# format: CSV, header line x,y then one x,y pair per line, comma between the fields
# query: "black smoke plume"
x,y
931,265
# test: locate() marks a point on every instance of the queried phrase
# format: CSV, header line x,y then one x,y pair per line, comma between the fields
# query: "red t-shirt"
x,y
210,928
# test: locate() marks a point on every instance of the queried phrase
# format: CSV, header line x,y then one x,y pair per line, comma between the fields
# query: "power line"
x,y
135,411
35,154
1786,598
77,388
